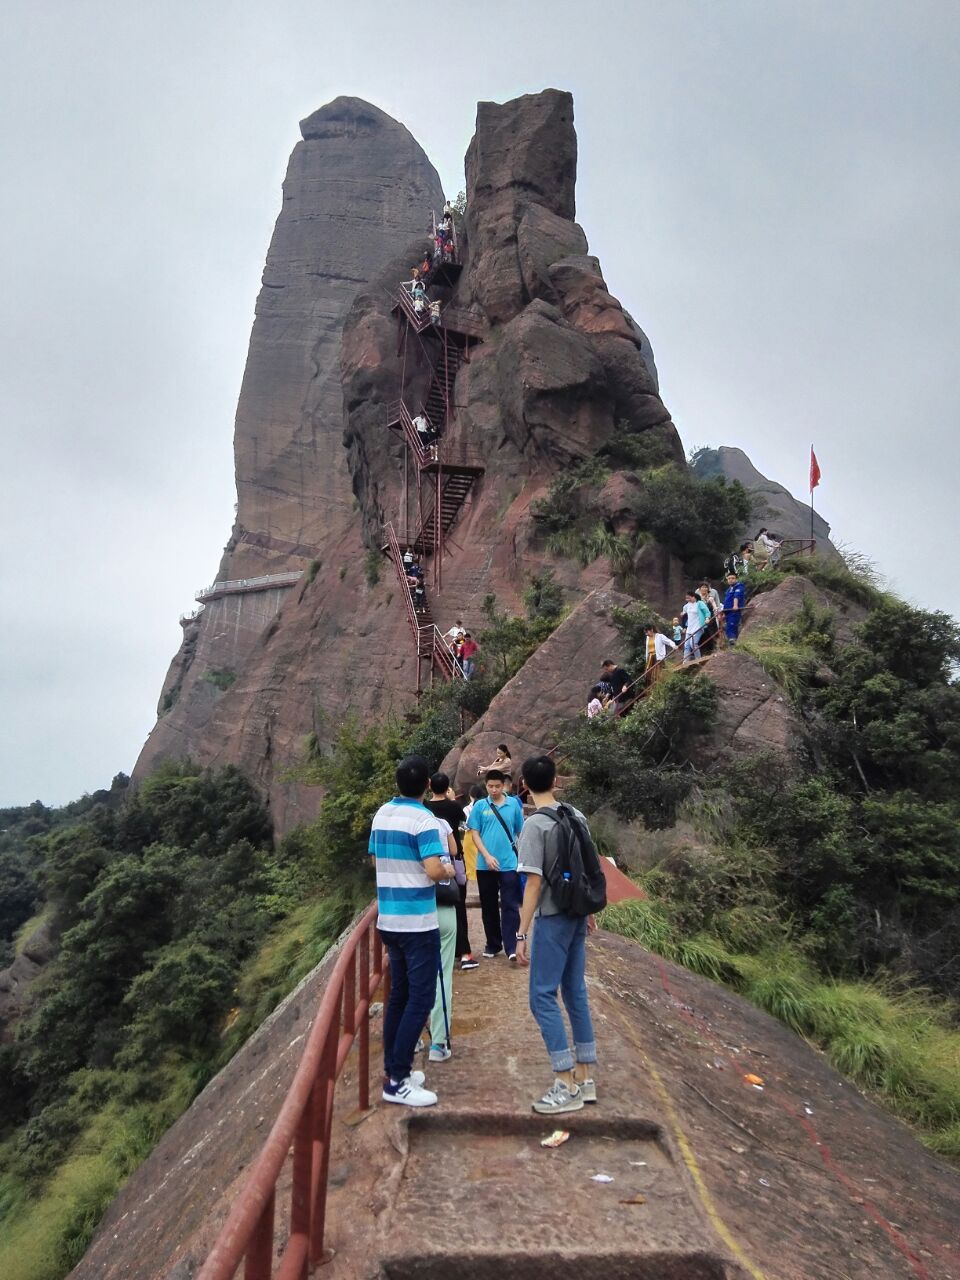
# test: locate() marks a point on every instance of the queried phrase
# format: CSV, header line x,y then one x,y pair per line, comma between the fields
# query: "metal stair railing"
x,y
397,557
443,653
305,1122
413,437
419,320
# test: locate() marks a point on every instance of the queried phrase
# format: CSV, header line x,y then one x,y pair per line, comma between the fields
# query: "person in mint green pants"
x,y
439,1025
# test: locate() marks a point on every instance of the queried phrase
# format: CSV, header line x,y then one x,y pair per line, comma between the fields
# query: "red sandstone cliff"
x,y
559,367
357,187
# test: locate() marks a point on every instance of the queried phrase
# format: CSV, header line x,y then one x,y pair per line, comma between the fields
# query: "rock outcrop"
x,y
774,505
358,186
559,369
15,981
530,710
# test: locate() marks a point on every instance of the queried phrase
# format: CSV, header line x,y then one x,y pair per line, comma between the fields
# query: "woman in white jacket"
x,y
658,646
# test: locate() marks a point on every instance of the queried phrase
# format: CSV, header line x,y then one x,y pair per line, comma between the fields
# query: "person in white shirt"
x,y
770,545
456,632
657,648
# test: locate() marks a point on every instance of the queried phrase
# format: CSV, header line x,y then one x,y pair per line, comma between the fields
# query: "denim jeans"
x,y
691,648
414,966
558,960
500,898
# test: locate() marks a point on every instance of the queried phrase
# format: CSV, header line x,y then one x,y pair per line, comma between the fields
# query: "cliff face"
x,y
357,186
558,368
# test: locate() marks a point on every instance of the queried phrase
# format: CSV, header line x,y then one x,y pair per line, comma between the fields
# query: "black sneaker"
x,y
468,962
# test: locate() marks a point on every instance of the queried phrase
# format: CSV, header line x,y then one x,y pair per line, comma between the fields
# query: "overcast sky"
x,y
772,189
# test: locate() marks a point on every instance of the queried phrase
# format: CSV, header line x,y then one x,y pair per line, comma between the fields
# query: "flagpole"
x,y
811,500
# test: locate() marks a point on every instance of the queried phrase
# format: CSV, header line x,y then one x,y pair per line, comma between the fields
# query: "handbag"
x,y
448,893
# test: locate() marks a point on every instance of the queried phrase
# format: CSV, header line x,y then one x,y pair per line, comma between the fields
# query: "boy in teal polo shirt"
x,y
496,822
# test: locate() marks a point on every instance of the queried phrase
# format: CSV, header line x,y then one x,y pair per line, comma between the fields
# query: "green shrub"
x,y
372,564
221,677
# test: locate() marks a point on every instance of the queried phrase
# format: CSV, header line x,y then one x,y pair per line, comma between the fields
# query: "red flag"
x,y
814,470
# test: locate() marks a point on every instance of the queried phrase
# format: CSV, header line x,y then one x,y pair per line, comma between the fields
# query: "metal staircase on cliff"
x,y
444,475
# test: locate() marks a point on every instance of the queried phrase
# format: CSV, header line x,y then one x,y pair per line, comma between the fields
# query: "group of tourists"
x,y
706,622
441,249
464,649
538,879
413,572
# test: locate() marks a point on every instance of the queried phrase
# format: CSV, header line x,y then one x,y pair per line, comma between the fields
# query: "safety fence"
x,y
250,1234
235,586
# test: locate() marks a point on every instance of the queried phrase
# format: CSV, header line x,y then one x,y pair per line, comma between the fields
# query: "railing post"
x,y
302,1183
326,1080
259,1260
363,1031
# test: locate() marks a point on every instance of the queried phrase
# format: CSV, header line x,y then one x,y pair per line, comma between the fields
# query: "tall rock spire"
x,y
358,187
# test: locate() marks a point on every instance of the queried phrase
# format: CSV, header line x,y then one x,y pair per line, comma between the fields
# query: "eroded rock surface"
x,y
358,187
550,689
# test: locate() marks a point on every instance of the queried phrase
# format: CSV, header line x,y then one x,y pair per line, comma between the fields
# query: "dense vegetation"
x,y
694,518
159,903
826,888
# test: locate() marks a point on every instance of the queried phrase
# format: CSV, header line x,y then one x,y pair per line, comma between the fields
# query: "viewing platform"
x,y
240,586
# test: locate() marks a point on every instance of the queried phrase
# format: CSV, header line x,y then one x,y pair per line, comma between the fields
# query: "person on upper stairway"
x,y
468,655
419,598
425,432
408,558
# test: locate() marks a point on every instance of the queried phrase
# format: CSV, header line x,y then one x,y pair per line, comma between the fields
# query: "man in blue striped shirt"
x,y
410,853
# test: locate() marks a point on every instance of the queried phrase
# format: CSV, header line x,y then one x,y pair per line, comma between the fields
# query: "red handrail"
x,y
397,558
305,1121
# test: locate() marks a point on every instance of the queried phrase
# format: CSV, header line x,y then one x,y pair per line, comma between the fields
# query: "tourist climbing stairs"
x,y
431,645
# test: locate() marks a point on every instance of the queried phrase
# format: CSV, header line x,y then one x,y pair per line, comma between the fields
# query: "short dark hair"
x,y
539,773
439,784
650,628
477,792
494,775
607,663
596,691
692,592
413,774
744,546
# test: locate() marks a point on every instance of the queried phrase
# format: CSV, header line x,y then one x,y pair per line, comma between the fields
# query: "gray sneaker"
x,y
558,1099
588,1089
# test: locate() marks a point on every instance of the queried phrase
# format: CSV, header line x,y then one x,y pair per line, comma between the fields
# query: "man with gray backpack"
x,y
565,886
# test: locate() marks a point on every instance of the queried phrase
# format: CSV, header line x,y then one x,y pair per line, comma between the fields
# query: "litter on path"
x,y
556,1139
635,1200
601,1177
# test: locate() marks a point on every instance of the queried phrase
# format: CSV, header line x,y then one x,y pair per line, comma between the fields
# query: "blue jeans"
x,y
558,960
691,648
414,965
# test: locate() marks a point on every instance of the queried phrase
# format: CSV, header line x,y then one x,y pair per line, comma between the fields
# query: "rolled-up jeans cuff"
x,y
562,1060
586,1053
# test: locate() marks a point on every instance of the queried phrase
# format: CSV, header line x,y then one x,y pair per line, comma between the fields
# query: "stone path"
x,y
711,1177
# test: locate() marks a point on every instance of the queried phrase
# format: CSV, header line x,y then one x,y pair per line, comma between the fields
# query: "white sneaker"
x,y
409,1095
440,1053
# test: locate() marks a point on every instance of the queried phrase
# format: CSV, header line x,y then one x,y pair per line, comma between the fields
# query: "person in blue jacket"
x,y
734,601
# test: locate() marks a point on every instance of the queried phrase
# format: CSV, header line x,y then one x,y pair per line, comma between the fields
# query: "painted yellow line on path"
x,y
686,1150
